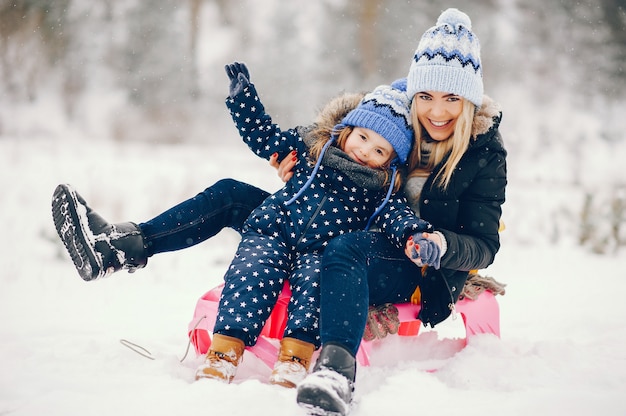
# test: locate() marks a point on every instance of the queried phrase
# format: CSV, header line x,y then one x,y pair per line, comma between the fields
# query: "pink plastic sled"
x,y
480,316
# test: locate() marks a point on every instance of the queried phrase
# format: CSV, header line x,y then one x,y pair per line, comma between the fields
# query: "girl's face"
x,y
368,148
438,112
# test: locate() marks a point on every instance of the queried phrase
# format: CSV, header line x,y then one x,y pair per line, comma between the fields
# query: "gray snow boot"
x,y
96,247
328,390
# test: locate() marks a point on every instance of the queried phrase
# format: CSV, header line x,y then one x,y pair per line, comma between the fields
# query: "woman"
x,y
457,182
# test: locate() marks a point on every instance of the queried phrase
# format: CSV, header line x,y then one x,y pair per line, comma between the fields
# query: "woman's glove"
x,y
239,77
381,320
423,251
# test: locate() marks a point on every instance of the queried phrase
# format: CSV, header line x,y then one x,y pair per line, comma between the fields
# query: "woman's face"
x,y
368,148
438,112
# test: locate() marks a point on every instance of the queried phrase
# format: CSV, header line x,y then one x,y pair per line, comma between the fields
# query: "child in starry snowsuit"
x,y
345,175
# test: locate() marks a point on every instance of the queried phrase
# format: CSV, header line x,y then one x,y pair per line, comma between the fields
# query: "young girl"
x,y
345,175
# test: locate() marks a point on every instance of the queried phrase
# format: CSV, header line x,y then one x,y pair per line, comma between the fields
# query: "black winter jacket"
x,y
467,213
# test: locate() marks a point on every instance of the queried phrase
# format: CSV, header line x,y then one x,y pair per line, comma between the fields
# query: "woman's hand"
x,y
285,167
424,249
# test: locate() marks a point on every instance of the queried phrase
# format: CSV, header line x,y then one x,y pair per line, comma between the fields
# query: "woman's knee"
x,y
356,242
347,252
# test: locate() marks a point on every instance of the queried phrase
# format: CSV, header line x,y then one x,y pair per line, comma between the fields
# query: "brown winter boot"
x,y
293,362
222,359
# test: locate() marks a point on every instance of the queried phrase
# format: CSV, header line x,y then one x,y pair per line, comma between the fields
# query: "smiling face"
x,y
438,112
368,148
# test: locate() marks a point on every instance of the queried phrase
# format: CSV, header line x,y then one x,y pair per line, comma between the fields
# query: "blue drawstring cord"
x,y
315,169
317,166
382,205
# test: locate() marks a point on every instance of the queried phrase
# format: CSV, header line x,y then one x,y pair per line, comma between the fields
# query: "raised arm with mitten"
x,y
255,126
239,77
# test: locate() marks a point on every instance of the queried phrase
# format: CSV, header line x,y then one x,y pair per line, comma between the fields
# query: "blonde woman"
x,y
456,182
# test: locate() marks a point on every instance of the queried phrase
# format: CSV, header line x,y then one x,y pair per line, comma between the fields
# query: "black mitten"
x,y
239,77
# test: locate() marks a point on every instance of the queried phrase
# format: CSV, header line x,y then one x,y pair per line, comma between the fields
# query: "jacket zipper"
x,y
313,217
451,305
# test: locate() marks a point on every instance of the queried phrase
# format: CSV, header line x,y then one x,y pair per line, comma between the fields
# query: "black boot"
x,y
327,391
96,247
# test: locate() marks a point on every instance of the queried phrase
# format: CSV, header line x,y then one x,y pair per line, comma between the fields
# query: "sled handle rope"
x,y
145,353
137,348
189,340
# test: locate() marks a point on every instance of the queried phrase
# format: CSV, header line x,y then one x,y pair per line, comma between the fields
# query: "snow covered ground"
x,y
562,350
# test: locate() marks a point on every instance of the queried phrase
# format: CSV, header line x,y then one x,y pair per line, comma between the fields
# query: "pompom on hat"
x,y
447,59
399,84
385,110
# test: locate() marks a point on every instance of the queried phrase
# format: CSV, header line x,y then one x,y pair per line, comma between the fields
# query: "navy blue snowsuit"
x,y
285,241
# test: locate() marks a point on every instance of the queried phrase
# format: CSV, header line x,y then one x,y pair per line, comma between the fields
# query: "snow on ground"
x,y
562,350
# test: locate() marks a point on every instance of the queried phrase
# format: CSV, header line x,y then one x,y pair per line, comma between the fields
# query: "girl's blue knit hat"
x,y
385,110
447,59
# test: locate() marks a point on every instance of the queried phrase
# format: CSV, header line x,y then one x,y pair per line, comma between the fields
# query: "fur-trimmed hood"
x,y
327,119
487,117
337,108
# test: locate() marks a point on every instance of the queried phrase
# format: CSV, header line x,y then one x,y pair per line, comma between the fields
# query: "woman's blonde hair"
x,y
454,146
322,135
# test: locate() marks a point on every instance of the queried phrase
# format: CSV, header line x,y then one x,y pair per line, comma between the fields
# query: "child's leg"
x,y
304,306
227,203
253,283
98,248
301,336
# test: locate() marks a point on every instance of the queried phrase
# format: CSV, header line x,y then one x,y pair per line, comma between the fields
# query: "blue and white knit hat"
x,y
385,110
447,59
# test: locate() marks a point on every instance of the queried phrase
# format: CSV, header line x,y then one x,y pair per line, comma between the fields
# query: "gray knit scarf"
x,y
366,177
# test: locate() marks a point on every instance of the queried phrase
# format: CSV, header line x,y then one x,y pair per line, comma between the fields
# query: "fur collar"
x,y
486,116
337,108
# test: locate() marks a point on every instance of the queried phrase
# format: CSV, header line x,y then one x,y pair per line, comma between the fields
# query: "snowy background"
x,y
563,344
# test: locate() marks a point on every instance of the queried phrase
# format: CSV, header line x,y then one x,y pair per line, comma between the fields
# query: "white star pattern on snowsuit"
x,y
281,242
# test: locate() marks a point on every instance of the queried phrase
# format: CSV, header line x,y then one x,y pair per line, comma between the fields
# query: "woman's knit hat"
x,y
447,59
385,110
